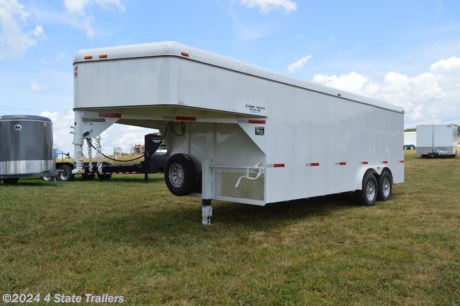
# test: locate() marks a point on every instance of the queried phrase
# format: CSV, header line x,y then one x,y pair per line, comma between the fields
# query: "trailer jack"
x,y
206,211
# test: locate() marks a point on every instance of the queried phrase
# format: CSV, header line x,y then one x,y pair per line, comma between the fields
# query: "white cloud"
x,y
38,87
79,17
350,82
267,5
447,66
297,65
429,97
79,6
17,35
61,129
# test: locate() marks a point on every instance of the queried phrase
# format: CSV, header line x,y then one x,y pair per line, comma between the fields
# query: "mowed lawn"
x,y
130,238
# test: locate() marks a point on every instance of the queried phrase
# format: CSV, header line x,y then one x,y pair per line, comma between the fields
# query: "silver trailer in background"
x,y
437,140
26,147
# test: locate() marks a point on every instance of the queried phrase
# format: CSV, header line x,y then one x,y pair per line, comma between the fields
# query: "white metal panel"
x,y
136,82
329,131
410,138
444,136
172,50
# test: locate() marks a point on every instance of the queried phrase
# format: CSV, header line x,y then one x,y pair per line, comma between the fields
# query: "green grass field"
x,y
130,238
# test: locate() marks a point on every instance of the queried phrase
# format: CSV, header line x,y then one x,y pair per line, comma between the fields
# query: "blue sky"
x,y
403,52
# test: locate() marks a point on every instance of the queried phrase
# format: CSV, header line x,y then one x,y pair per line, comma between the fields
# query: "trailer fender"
x,y
376,171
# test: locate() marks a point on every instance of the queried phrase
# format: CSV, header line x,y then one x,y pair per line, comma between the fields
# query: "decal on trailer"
x,y
255,109
260,130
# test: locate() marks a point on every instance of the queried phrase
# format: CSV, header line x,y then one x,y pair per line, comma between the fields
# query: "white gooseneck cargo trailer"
x,y
437,140
237,132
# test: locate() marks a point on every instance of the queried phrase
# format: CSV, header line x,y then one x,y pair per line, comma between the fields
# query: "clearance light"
x,y
183,118
185,54
102,55
254,121
88,57
109,115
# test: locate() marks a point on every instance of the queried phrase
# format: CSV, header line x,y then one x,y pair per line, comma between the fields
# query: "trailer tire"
x,y
367,196
180,174
11,181
385,188
65,173
104,176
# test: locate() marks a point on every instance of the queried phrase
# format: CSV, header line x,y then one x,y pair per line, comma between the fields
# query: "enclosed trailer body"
x,y
410,140
254,136
437,140
26,147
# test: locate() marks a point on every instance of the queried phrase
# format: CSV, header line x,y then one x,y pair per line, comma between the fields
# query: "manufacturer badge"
x,y
260,130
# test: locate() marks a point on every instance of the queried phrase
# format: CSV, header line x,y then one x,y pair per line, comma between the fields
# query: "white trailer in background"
x,y
437,140
237,132
410,140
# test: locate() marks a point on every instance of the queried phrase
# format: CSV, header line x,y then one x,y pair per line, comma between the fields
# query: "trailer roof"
x,y
24,118
175,49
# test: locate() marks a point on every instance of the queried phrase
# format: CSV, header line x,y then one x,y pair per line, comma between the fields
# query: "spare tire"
x,y
180,174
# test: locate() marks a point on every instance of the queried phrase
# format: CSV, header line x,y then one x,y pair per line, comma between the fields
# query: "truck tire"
x,y
367,196
88,176
385,188
104,176
11,181
65,173
180,174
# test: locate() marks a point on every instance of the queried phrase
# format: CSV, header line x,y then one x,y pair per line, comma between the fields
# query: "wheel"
x,y
65,173
385,189
180,174
368,194
46,178
11,181
412,147
88,176
104,176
